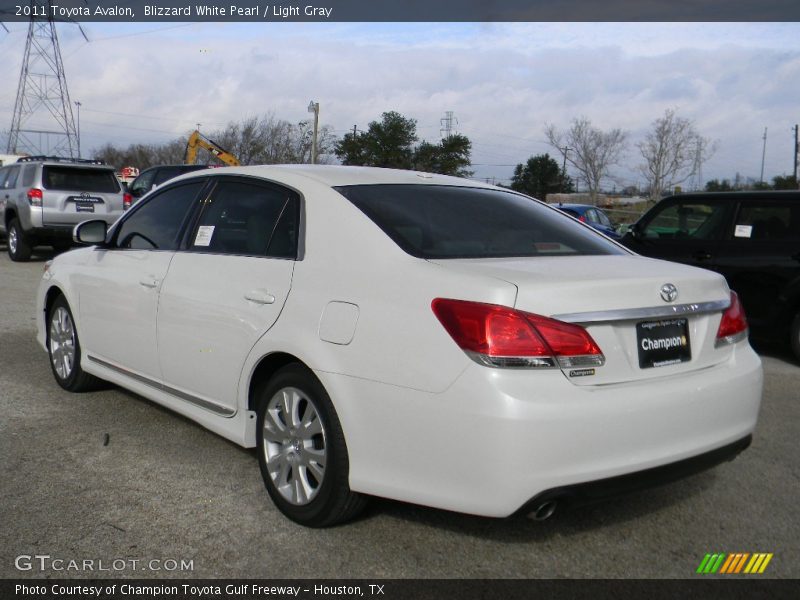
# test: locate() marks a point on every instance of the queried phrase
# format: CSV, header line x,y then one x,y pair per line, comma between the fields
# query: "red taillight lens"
x,y
35,196
733,326
127,200
582,219
499,336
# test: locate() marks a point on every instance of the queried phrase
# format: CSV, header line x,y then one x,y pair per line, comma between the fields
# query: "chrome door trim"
x,y
222,411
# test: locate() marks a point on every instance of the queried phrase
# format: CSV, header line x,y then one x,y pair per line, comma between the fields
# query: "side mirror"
x,y
90,232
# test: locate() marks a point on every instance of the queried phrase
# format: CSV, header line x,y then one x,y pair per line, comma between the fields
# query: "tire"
x,y
795,333
64,350
19,246
305,472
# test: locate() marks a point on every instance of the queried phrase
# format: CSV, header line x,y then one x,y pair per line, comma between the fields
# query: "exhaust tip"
x,y
543,511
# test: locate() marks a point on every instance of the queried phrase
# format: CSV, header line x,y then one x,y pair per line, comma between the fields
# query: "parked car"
x,y
592,216
752,238
419,337
43,197
154,176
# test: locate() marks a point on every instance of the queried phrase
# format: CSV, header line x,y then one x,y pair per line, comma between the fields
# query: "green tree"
x,y
784,182
540,176
715,185
386,143
390,143
451,156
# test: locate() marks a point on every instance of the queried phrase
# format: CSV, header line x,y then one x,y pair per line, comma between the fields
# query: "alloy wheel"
x,y
294,445
62,342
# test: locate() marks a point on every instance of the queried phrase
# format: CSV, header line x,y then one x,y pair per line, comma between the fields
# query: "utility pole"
x,y
78,105
355,132
447,124
564,151
796,152
42,92
763,155
314,107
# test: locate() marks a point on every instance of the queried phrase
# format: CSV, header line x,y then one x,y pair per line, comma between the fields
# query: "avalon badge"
x,y
669,292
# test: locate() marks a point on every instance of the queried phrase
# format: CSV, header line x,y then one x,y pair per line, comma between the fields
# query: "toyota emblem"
x,y
669,292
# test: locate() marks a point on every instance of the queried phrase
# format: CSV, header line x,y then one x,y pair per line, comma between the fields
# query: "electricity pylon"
x,y
43,122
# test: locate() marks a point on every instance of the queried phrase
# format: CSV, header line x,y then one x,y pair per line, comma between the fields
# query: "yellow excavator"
x,y
198,140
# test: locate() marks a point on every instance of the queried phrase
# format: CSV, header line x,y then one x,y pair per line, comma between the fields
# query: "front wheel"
x,y
302,451
64,350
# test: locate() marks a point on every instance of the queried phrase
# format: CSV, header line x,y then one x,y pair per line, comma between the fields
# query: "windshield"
x,y
432,221
77,179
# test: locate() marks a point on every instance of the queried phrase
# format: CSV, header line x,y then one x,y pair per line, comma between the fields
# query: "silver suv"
x,y
43,197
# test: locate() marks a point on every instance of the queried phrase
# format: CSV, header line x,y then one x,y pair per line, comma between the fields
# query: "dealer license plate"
x,y
662,343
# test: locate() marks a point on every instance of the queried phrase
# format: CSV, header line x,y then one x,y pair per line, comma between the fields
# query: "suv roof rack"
x,y
65,159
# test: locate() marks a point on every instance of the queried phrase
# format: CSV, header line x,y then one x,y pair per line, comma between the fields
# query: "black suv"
x,y
155,176
752,238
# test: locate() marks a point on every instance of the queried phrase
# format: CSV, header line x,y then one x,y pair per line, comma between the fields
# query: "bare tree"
x,y
673,151
588,149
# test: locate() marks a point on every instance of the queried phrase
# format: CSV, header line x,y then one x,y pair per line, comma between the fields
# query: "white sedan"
x,y
418,337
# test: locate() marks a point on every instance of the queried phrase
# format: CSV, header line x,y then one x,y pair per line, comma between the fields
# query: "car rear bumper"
x,y
605,489
498,437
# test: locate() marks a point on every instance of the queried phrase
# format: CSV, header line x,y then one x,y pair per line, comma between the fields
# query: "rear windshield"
x,y
431,221
77,179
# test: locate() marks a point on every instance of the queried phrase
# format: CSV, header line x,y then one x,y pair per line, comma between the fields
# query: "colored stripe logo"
x,y
733,564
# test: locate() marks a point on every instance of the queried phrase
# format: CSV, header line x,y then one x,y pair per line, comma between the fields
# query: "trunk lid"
x,y
610,296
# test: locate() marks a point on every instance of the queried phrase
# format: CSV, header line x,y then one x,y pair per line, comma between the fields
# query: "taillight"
x,y
582,219
127,200
35,196
498,336
733,326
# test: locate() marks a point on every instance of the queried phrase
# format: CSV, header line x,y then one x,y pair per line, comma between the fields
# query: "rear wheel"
x,y
302,451
795,332
19,246
64,349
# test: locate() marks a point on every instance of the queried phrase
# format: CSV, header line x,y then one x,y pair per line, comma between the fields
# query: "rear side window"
x,y
249,219
431,221
156,224
773,221
76,179
28,173
683,220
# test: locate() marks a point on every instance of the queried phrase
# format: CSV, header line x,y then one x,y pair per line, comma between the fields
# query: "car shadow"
x,y
40,253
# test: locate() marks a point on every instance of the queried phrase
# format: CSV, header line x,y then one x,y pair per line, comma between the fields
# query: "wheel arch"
x,y
264,370
53,292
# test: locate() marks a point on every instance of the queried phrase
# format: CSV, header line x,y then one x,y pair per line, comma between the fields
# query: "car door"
x,y
760,257
227,288
121,282
686,230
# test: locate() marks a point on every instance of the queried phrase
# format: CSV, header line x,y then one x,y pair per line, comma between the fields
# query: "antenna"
x,y
43,123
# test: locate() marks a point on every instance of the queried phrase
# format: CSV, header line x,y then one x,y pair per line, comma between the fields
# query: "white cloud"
x,y
504,81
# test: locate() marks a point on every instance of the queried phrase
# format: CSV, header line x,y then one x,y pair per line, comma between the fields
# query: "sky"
x,y
152,82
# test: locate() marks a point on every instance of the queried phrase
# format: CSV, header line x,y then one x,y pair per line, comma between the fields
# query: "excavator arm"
x,y
198,140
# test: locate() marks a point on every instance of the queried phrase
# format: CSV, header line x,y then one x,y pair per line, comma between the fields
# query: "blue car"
x,y
592,216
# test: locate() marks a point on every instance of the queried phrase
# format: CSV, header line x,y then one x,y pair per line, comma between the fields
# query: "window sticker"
x,y
204,235
743,231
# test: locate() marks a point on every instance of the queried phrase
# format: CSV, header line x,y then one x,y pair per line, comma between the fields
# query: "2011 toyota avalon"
x,y
412,336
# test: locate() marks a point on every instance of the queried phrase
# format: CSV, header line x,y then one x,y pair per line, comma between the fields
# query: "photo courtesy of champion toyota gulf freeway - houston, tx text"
x,y
419,337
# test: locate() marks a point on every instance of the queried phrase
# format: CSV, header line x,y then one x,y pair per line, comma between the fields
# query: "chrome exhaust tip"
x,y
543,511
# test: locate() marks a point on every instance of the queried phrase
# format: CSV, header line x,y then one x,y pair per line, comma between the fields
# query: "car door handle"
x,y
149,282
701,255
260,297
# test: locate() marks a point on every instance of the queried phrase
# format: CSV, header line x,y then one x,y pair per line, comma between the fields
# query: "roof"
x,y
337,175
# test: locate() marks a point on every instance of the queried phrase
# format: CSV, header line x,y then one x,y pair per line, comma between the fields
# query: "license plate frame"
x,y
84,207
663,343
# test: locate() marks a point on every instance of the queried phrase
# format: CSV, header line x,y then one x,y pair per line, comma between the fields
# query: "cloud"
x,y
503,81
